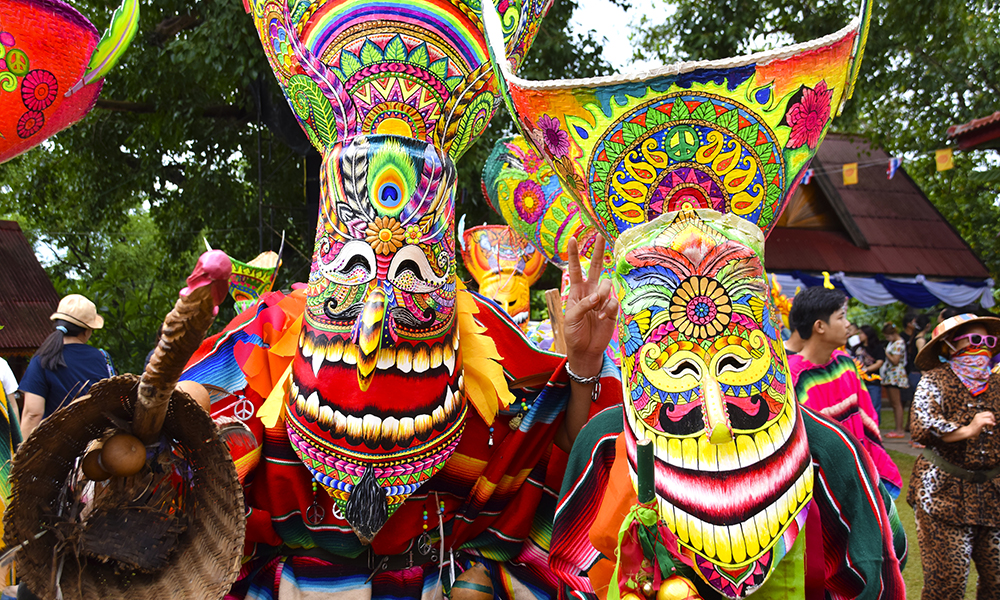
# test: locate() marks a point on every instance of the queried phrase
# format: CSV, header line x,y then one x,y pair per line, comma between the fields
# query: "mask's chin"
x,y
734,507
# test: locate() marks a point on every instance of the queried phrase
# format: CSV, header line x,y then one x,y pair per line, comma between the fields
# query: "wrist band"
x,y
596,380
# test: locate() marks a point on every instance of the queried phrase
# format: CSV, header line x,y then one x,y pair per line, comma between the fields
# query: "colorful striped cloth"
x,y
864,545
498,499
837,391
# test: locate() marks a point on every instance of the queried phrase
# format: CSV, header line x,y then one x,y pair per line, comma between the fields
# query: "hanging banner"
x,y
944,159
851,174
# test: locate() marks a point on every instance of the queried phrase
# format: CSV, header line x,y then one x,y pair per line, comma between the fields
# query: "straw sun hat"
x,y
927,358
79,310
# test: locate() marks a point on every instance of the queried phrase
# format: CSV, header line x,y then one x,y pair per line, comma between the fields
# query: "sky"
x,y
615,25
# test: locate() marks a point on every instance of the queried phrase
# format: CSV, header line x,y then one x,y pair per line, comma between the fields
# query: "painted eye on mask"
x,y
410,271
353,265
685,367
744,363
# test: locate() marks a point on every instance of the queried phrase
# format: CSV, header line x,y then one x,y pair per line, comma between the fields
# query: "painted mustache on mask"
x,y
674,421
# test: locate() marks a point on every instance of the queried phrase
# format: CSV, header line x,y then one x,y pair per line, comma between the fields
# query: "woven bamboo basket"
x,y
204,560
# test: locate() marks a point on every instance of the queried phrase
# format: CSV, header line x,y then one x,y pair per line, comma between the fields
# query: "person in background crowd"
x,y
870,355
914,336
955,489
9,382
65,366
893,375
827,379
793,344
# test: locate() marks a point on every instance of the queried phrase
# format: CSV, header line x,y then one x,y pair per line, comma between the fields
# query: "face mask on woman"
x,y
972,366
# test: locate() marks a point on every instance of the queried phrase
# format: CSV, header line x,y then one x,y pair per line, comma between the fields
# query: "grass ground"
x,y
913,573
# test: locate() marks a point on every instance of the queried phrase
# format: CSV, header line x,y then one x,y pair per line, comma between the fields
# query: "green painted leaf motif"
x,y
597,187
764,151
613,149
631,131
773,192
655,117
395,50
601,168
770,170
679,111
730,120
602,209
559,214
370,53
452,82
305,92
749,133
420,57
349,64
704,112
340,74
440,67
548,239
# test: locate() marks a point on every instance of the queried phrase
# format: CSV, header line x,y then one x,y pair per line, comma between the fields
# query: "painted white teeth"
x,y
406,429
312,406
372,427
326,416
350,354
390,429
319,355
300,404
454,341
386,358
438,415
339,422
307,347
449,358
354,426
423,424
421,359
404,359
335,351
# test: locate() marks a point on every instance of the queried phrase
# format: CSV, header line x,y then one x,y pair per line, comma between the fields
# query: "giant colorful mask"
x,y
390,92
723,143
505,267
52,67
706,379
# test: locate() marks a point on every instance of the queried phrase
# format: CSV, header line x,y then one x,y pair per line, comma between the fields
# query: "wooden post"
x,y
553,300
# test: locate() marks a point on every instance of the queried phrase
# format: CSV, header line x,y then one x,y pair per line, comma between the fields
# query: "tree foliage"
x,y
190,138
928,65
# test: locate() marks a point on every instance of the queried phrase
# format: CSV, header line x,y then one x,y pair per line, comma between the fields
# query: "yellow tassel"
x,y
272,411
485,383
826,280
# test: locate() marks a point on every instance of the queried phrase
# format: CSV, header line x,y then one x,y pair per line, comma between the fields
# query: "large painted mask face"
x,y
377,406
504,266
706,379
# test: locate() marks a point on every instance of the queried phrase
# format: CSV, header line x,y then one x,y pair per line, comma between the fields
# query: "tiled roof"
x,y
27,296
904,234
981,132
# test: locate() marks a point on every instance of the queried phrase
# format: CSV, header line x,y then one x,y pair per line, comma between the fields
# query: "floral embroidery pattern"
x,y
384,235
30,123
529,201
39,89
808,118
556,140
700,307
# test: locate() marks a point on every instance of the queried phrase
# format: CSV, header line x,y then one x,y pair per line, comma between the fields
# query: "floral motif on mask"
x,y
707,380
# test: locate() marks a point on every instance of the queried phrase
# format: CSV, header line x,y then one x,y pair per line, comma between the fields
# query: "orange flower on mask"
x,y
384,235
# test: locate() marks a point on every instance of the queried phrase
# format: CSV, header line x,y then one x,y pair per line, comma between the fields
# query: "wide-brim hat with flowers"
x,y
927,358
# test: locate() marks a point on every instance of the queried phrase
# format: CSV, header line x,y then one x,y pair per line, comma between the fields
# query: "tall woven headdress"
x,y
390,92
685,169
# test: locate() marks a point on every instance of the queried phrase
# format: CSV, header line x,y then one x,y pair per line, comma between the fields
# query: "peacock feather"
x,y
392,177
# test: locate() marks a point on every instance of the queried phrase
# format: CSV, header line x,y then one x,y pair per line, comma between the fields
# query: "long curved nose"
x,y
368,335
716,417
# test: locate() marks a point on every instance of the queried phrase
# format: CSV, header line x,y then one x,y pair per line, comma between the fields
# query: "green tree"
x,y
927,65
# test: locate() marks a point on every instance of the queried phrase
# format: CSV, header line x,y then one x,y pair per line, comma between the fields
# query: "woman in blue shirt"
x,y
64,367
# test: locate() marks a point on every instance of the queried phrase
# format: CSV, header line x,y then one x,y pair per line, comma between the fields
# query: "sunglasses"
x,y
975,339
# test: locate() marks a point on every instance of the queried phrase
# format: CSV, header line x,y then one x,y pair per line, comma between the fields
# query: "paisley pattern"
x,y
504,266
732,135
706,379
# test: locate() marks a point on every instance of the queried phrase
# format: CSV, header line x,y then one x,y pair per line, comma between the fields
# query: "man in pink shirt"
x,y
827,380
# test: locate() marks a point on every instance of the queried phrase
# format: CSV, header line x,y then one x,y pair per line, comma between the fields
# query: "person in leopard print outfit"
x,y
955,487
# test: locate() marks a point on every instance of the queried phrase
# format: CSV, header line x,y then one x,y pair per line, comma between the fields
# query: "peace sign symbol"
x,y
682,143
17,62
315,514
243,409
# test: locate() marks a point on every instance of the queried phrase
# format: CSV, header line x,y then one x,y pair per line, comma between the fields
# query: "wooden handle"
x,y
553,300
182,332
